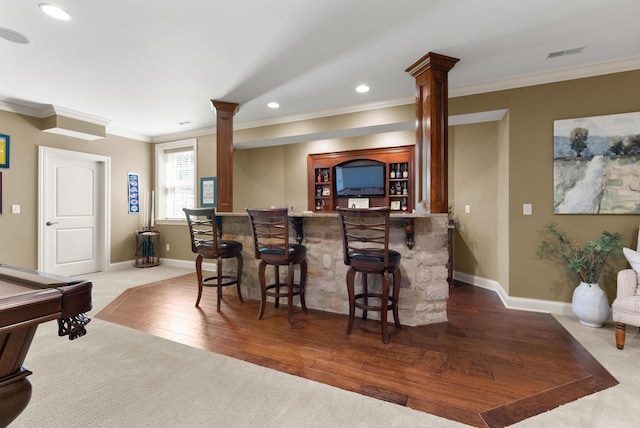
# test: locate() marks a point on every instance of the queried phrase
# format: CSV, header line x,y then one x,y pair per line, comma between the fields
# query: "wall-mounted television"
x,y
360,178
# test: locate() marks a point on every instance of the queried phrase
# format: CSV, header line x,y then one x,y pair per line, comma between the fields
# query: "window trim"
x,y
160,148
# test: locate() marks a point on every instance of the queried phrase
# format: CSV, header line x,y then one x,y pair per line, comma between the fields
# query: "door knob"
x,y
49,223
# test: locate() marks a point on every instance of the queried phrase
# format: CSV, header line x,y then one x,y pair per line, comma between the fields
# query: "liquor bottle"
x,y
319,178
405,191
392,173
405,173
326,176
403,205
398,189
398,172
392,189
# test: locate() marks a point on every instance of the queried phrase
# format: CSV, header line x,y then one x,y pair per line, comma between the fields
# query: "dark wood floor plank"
x,y
487,366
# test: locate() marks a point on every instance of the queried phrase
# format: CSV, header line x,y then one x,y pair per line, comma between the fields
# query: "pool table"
x,y
27,299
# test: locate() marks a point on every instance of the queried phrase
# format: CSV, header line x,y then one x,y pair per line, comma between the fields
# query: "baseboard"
x,y
187,264
519,303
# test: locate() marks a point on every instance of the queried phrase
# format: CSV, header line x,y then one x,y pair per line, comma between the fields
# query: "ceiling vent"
x,y
565,52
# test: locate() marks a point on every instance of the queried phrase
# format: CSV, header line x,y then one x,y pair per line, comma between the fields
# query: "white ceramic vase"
x,y
590,304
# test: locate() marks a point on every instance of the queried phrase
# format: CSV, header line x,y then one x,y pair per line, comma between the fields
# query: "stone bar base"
x,y
424,289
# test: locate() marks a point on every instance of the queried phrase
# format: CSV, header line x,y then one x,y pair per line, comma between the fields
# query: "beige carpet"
x,y
119,377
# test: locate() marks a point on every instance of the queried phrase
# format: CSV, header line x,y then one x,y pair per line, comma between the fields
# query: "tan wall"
x,y
278,175
19,232
476,184
532,111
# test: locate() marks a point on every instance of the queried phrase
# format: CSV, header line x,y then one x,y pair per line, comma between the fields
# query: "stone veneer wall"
x,y
424,288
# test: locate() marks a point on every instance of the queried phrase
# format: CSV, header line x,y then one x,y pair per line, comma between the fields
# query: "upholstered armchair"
x,y
626,306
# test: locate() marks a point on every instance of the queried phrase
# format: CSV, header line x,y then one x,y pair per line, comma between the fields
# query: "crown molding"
x,y
130,135
571,73
51,110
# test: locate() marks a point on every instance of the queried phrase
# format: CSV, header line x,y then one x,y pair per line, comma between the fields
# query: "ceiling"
x,y
151,67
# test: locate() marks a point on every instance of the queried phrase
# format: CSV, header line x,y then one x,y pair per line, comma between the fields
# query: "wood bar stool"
x,y
365,233
206,243
270,230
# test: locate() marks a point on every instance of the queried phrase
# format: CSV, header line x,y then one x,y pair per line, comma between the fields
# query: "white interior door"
x,y
73,212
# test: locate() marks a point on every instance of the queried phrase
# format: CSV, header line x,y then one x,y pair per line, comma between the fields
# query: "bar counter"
x,y
421,239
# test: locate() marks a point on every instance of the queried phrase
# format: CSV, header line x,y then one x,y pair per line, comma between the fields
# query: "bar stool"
x,y
206,244
365,233
270,230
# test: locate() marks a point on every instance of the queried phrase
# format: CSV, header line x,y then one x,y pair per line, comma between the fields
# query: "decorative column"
x,y
224,153
432,96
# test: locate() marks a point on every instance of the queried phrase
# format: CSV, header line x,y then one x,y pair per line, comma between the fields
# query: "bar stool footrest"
x,y
297,290
212,281
368,307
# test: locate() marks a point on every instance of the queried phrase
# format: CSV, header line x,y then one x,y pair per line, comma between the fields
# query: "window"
x,y
175,178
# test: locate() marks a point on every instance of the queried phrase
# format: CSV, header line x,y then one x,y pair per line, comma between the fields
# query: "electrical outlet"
x,y
467,209
168,247
15,209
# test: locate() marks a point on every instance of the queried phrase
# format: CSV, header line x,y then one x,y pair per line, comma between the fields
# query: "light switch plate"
x,y
467,209
527,209
15,209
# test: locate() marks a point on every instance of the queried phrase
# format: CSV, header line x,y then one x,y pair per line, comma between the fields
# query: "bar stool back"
x,y
365,233
270,230
206,243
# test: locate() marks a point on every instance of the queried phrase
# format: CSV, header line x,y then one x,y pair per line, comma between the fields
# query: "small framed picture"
x,y
4,151
395,205
326,191
208,191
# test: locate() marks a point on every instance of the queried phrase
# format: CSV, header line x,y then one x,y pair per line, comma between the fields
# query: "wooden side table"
x,y
147,242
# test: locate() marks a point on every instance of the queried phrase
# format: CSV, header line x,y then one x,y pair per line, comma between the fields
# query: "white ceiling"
x,y
146,65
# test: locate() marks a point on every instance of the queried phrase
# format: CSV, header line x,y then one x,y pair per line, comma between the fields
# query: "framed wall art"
x,y
596,165
4,151
207,192
133,184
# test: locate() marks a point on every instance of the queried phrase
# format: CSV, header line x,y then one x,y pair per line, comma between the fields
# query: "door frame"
x,y
103,217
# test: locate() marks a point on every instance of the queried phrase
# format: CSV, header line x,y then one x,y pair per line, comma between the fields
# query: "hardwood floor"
x,y
487,366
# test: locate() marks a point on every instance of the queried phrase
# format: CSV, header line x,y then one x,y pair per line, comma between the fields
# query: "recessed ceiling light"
x,y
273,104
362,89
13,36
55,12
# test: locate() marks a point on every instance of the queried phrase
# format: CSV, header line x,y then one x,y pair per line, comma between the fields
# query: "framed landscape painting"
x,y
596,165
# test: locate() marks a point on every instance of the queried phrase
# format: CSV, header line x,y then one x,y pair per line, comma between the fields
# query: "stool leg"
x,y
263,287
351,273
365,294
199,274
620,334
277,283
240,262
384,304
290,275
219,283
303,284
396,296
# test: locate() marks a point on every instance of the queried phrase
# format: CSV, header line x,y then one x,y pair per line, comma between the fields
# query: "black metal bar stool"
x,y
206,243
365,233
270,230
